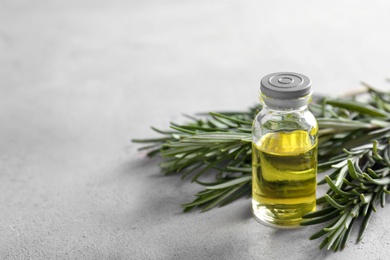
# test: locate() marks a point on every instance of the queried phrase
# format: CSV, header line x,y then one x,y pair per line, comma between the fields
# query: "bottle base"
x,y
280,216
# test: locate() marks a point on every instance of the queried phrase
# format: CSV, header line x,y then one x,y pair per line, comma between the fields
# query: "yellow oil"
x,y
284,178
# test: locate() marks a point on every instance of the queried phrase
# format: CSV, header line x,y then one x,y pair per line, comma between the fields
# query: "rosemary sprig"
x,y
354,151
216,143
359,185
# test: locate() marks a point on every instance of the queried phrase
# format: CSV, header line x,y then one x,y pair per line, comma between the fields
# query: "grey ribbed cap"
x,y
285,85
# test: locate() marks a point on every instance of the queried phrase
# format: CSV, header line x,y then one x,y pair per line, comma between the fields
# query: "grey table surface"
x,y
79,79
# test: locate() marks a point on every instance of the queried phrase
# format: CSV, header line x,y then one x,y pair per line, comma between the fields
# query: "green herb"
x,y
354,152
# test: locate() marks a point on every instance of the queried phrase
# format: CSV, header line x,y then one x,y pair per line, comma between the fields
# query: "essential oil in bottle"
x,y
284,152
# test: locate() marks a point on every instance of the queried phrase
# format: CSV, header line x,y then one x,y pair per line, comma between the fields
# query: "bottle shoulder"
x,y
273,121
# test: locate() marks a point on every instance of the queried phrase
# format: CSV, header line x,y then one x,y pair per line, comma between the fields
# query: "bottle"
x,y
284,151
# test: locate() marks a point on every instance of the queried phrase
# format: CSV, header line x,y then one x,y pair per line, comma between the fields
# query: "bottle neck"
x,y
286,104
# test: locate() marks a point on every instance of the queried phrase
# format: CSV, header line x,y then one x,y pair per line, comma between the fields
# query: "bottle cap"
x,y
285,85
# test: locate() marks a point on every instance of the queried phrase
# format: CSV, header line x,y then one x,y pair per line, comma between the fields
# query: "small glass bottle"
x,y
284,151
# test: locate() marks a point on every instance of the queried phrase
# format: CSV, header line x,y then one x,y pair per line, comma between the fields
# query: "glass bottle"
x,y
284,151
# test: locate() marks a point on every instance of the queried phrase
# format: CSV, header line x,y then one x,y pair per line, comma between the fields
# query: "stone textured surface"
x,y
79,79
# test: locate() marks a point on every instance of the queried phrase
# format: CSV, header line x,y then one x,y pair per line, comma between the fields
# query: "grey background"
x,y
79,79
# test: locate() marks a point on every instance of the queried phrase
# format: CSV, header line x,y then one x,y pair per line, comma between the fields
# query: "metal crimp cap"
x,y
285,85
